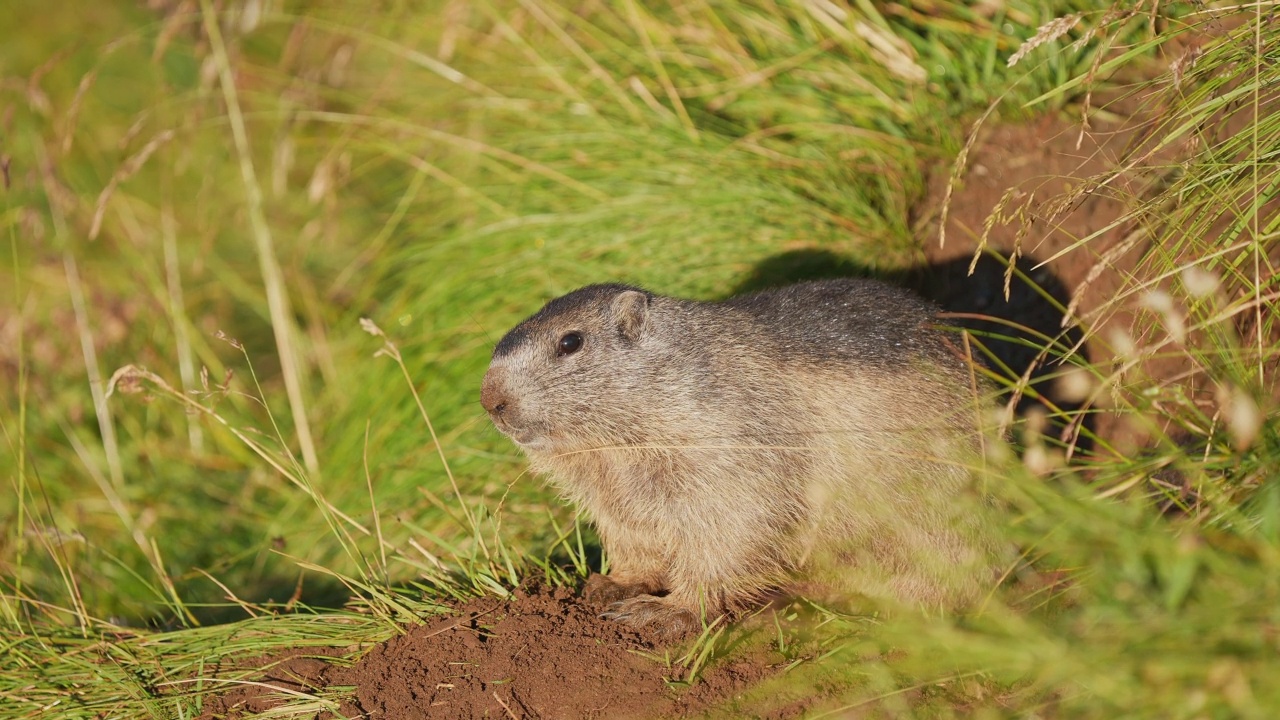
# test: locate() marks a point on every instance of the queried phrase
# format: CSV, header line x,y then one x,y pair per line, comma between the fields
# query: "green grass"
x,y
442,169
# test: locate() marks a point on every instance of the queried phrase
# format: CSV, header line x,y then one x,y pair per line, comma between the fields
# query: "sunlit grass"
x,y
442,170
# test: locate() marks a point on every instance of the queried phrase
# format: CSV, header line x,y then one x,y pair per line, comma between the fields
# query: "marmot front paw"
x,y
655,614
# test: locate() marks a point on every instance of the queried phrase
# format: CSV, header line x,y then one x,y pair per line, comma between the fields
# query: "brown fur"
x,y
822,431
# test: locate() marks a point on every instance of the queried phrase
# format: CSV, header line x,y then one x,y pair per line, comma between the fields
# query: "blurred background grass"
x,y
444,167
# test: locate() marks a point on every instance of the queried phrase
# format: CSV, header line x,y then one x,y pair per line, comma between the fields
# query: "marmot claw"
x,y
652,613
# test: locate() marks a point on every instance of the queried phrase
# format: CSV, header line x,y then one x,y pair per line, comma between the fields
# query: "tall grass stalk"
x,y
272,277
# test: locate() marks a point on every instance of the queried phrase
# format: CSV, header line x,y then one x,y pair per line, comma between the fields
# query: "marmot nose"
x,y
491,397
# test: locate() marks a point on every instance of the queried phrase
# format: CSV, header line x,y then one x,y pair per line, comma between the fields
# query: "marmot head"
x,y
563,379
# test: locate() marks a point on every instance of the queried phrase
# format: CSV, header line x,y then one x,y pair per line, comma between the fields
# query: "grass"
x,y
219,195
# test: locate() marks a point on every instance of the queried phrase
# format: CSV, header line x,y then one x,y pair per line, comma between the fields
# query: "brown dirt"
x,y
541,654
1027,170
1069,232
1035,180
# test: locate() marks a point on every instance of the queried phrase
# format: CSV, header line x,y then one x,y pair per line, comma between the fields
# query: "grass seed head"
x,y
1241,413
1199,282
1162,303
1046,33
1076,384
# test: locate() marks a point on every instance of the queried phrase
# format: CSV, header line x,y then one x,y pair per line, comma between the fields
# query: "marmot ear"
x,y
630,311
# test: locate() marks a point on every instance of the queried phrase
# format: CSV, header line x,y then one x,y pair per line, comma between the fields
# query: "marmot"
x,y
824,432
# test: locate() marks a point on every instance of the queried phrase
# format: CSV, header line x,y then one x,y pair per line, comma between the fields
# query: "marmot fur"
x,y
822,433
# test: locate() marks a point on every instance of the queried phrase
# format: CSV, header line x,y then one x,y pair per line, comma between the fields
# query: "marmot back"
x,y
862,322
822,433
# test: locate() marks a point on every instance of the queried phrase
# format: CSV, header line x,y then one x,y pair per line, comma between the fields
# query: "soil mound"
x,y
542,653
539,655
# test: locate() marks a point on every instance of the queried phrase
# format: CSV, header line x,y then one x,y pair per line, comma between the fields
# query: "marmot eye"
x,y
569,344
